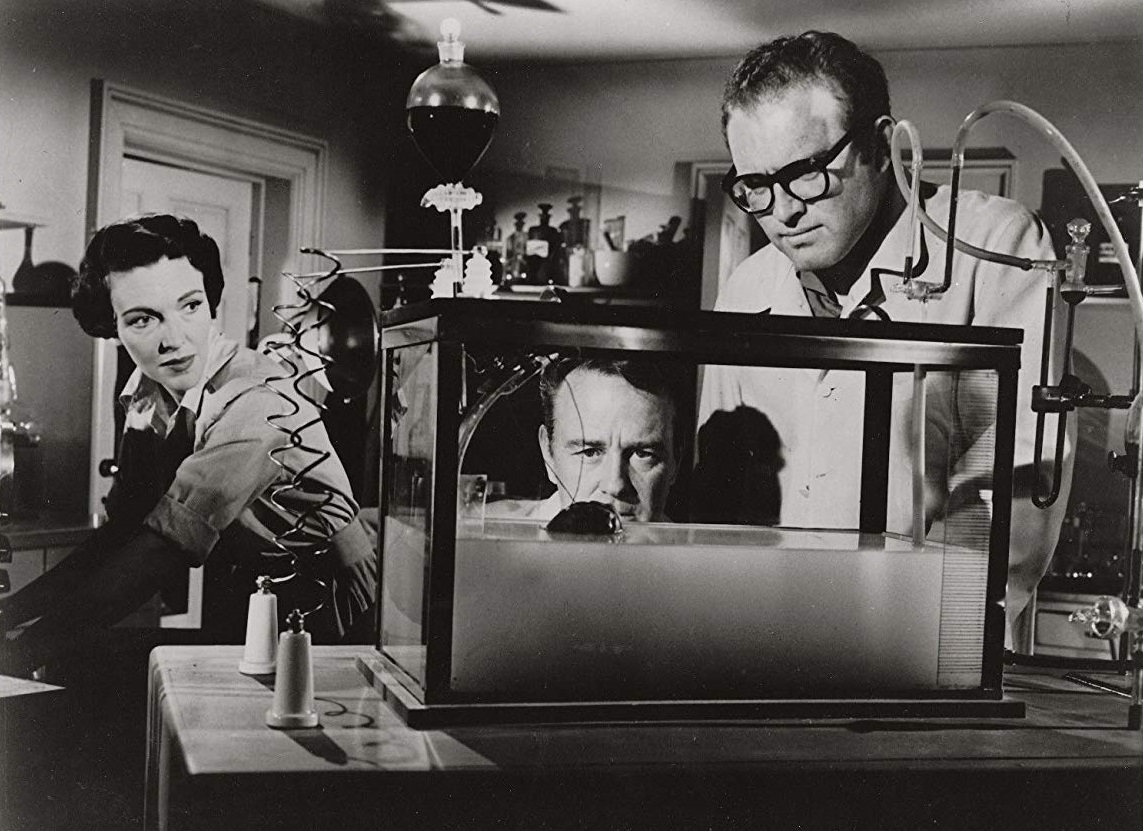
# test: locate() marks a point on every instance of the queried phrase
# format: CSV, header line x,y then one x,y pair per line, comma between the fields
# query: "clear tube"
x,y
904,184
1103,211
1112,613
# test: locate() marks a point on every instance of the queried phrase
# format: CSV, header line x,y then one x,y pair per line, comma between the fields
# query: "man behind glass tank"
x,y
608,436
808,125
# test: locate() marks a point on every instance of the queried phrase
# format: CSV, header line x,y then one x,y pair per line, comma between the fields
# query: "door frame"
x,y
130,122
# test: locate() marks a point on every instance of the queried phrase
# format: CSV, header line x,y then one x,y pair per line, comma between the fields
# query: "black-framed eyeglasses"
x,y
805,180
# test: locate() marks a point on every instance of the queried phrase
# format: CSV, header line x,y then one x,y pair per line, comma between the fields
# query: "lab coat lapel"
x,y
789,298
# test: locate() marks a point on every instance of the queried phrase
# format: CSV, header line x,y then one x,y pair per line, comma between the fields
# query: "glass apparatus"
x,y
1069,284
452,113
20,474
486,613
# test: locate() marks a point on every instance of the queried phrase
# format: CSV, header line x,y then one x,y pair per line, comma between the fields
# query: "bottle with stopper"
x,y
515,250
575,230
544,250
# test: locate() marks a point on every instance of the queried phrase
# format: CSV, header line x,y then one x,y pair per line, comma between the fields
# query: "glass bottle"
x,y
575,230
515,250
544,253
21,470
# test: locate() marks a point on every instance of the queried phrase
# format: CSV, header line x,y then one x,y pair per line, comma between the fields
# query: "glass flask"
x,y
452,112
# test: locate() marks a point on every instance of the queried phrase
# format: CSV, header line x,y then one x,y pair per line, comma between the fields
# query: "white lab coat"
x,y
818,414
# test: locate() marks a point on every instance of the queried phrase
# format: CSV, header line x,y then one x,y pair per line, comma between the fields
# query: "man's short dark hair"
x,y
813,56
654,377
132,243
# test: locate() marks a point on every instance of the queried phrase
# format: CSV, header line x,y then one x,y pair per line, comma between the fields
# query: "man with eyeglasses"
x,y
808,124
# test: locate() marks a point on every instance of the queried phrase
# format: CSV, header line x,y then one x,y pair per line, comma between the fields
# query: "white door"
x,y
223,208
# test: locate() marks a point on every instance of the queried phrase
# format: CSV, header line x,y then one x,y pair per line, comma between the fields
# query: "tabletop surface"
x,y
217,718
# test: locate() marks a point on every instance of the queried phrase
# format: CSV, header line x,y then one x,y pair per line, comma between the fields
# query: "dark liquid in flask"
x,y
452,138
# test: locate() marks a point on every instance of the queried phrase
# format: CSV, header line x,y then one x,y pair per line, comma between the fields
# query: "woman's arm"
x,y
112,576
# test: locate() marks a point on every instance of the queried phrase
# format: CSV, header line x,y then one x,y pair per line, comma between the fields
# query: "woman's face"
x,y
163,321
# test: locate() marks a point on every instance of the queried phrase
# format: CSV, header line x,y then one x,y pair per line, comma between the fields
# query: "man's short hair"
x,y
772,67
654,377
132,243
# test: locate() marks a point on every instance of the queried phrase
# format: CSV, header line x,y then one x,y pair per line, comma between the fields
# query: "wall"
x,y
236,58
1088,92
628,124
623,124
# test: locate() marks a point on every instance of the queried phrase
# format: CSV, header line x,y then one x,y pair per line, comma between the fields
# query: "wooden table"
x,y
212,763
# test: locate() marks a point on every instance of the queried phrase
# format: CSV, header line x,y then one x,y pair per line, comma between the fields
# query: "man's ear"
x,y
545,442
882,141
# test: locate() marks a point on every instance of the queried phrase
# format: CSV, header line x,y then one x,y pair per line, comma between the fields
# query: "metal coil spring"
x,y
325,513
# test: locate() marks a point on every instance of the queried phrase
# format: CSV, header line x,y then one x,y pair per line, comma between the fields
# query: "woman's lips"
x,y
179,364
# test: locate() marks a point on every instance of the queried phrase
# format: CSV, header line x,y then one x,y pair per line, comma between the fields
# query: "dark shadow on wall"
x,y
736,478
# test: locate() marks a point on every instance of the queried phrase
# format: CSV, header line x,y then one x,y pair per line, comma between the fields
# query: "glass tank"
x,y
564,540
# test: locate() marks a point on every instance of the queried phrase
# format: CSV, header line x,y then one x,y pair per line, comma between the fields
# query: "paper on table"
x,y
11,686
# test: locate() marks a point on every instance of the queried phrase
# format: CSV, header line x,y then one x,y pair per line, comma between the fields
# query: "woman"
x,y
207,464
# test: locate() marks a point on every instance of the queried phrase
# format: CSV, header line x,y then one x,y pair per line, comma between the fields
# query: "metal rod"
x,y
1135,561
367,269
1096,684
366,252
918,437
455,232
875,451
1039,500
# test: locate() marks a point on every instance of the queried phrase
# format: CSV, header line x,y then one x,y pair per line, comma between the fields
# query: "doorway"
x,y
729,235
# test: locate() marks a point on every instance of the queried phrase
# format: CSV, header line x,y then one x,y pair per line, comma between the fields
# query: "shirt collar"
x,y
141,392
822,302
811,282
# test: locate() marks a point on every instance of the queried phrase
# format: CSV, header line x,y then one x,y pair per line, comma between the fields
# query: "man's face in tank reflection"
x,y
610,442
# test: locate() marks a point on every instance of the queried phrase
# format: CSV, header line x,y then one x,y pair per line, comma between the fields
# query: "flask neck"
x,y
451,52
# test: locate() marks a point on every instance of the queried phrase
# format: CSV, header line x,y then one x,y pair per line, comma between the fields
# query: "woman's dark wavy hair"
x,y
813,56
131,243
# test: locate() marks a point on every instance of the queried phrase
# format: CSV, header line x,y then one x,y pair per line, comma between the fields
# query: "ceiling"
x,y
564,30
